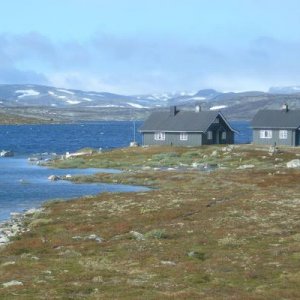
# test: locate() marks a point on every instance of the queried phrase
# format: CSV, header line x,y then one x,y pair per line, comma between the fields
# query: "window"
x,y
209,135
183,136
224,135
159,136
283,134
266,134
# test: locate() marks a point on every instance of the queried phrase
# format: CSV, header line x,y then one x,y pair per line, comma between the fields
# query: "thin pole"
x,y
134,130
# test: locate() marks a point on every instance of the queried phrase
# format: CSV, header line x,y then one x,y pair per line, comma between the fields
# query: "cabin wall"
x,y
217,128
173,138
290,141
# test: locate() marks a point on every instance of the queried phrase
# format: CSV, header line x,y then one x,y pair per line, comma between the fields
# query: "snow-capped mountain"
x,y
285,90
70,104
37,95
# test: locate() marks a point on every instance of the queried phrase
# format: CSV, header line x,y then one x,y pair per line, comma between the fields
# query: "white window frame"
x,y
209,135
283,134
159,136
224,135
184,136
265,134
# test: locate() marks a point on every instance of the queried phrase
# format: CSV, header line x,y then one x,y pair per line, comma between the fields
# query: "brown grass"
x,y
228,234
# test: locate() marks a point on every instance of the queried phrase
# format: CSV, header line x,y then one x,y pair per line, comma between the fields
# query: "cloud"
x,y
141,64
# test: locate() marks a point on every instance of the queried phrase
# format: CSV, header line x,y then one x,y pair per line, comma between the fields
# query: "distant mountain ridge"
x,y
83,105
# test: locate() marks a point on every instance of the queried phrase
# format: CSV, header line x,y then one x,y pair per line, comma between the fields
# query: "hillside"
x,y
51,104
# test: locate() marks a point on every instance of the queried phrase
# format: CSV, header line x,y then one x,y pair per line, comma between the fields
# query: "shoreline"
x,y
15,224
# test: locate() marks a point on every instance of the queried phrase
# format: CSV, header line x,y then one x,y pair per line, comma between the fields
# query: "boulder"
x,y
3,239
5,153
138,236
295,163
53,177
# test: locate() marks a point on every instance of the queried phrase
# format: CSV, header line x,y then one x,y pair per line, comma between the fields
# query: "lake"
x,y
24,185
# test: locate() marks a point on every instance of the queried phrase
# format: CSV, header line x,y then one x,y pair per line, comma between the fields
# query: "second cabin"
x,y
187,128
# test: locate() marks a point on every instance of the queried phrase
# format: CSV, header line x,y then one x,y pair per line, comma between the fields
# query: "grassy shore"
x,y
232,233
12,119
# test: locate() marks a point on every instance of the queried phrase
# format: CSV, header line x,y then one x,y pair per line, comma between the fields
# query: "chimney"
x,y
173,111
197,108
285,107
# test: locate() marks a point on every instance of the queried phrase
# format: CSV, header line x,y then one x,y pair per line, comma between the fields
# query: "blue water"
x,y
28,139
244,132
24,185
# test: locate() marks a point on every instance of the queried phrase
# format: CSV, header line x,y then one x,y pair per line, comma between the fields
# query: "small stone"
x,y
168,263
138,236
242,167
8,263
214,153
12,283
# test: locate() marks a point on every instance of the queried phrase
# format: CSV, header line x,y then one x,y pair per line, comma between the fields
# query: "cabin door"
x,y
298,137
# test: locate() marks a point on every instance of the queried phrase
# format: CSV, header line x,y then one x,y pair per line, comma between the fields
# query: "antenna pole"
x,y
134,130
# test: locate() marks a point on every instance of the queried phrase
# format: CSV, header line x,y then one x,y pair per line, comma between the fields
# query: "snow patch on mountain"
x,y
72,102
27,93
65,91
136,105
106,106
198,98
218,107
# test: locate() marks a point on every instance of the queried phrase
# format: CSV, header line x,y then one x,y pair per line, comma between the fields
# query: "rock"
x,y
133,144
273,150
94,237
228,148
196,254
138,236
8,263
4,239
98,279
295,163
214,153
12,283
5,153
168,263
33,211
54,177
242,167
195,165
15,215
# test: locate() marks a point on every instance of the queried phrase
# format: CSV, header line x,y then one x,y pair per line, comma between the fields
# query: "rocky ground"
x,y
219,223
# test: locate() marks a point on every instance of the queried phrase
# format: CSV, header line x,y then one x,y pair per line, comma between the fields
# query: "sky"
x,y
150,46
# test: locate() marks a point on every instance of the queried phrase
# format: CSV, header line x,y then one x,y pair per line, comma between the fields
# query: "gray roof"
x,y
187,121
276,119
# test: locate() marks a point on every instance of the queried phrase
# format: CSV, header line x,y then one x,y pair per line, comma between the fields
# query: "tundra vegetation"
x,y
232,232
